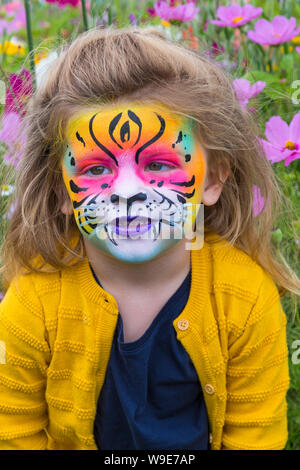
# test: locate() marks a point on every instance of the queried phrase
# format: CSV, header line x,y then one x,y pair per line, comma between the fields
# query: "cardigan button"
x,y
209,389
183,324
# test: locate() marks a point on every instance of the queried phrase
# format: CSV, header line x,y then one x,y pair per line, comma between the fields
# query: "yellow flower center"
x,y
296,40
290,145
12,49
278,35
237,19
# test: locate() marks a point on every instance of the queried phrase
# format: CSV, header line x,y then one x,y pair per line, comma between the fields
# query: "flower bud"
x,y
276,236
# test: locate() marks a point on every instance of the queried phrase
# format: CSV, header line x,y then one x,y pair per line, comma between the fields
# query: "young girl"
x,y
117,332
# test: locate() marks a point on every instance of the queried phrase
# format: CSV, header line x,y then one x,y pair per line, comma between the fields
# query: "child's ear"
x,y
64,201
213,185
67,207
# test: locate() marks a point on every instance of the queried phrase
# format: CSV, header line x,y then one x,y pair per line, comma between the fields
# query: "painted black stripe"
x,y
108,152
181,199
75,188
77,204
78,136
188,183
135,119
154,139
185,194
112,126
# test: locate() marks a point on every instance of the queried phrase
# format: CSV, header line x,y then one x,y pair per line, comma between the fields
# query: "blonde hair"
x,y
106,65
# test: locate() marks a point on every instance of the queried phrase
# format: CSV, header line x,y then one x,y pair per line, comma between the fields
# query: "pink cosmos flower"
x,y
11,6
16,19
183,12
245,91
236,15
13,136
259,202
298,49
22,89
283,140
280,30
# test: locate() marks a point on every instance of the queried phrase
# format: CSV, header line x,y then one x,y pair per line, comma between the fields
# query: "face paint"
x,y
133,173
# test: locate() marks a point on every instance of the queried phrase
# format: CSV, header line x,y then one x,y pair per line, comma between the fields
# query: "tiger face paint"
x,y
134,173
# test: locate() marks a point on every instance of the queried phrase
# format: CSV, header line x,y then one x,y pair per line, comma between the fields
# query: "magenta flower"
x,y
245,91
280,30
132,19
259,202
283,140
236,15
22,89
63,3
183,12
13,136
298,49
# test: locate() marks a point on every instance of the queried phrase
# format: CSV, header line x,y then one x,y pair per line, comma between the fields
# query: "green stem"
x,y
30,42
296,173
84,15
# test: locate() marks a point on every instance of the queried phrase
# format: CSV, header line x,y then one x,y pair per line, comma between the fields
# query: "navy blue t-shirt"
x,y
151,397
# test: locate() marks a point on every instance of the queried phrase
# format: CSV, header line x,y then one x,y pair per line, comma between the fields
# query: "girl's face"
x,y
135,175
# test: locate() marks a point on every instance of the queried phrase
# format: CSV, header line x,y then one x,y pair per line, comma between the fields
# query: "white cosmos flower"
x,y
42,68
7,189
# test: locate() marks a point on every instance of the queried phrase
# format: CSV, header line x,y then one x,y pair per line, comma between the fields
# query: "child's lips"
x,y
128,226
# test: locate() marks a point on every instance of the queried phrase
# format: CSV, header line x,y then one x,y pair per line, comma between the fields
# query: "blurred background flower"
x,y
181,12
236,15
280,30
63,3
283,140
14,17
18,92
245,91
12,135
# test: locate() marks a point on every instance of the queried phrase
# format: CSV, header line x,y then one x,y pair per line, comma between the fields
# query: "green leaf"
x,y
287,63
255,75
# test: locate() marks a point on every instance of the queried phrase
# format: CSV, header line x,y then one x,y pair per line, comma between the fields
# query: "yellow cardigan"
x,y
56,331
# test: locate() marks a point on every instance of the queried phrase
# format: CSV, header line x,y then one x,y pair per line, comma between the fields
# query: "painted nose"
x,y
136,197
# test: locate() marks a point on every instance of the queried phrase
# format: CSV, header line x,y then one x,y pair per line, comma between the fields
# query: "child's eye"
x,y
157,166
97,170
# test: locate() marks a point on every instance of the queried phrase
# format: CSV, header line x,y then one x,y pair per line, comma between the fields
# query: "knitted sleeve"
x,y
24,357
258,377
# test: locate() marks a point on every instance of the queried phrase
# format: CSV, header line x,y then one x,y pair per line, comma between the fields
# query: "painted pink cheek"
x,y
94,185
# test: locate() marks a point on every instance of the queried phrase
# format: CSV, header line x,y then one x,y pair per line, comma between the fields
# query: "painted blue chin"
x,y
131,250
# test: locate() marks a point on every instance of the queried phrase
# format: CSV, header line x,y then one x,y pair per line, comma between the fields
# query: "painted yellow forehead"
x,y
129,122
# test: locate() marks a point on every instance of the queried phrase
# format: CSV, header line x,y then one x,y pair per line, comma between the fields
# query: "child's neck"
x,y
170,267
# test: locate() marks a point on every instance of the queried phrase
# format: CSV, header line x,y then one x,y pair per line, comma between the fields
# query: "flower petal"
x,y
277,132
273,154
294,129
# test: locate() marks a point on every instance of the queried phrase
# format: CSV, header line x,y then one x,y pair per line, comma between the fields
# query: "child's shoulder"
x,y
235,271
242,288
